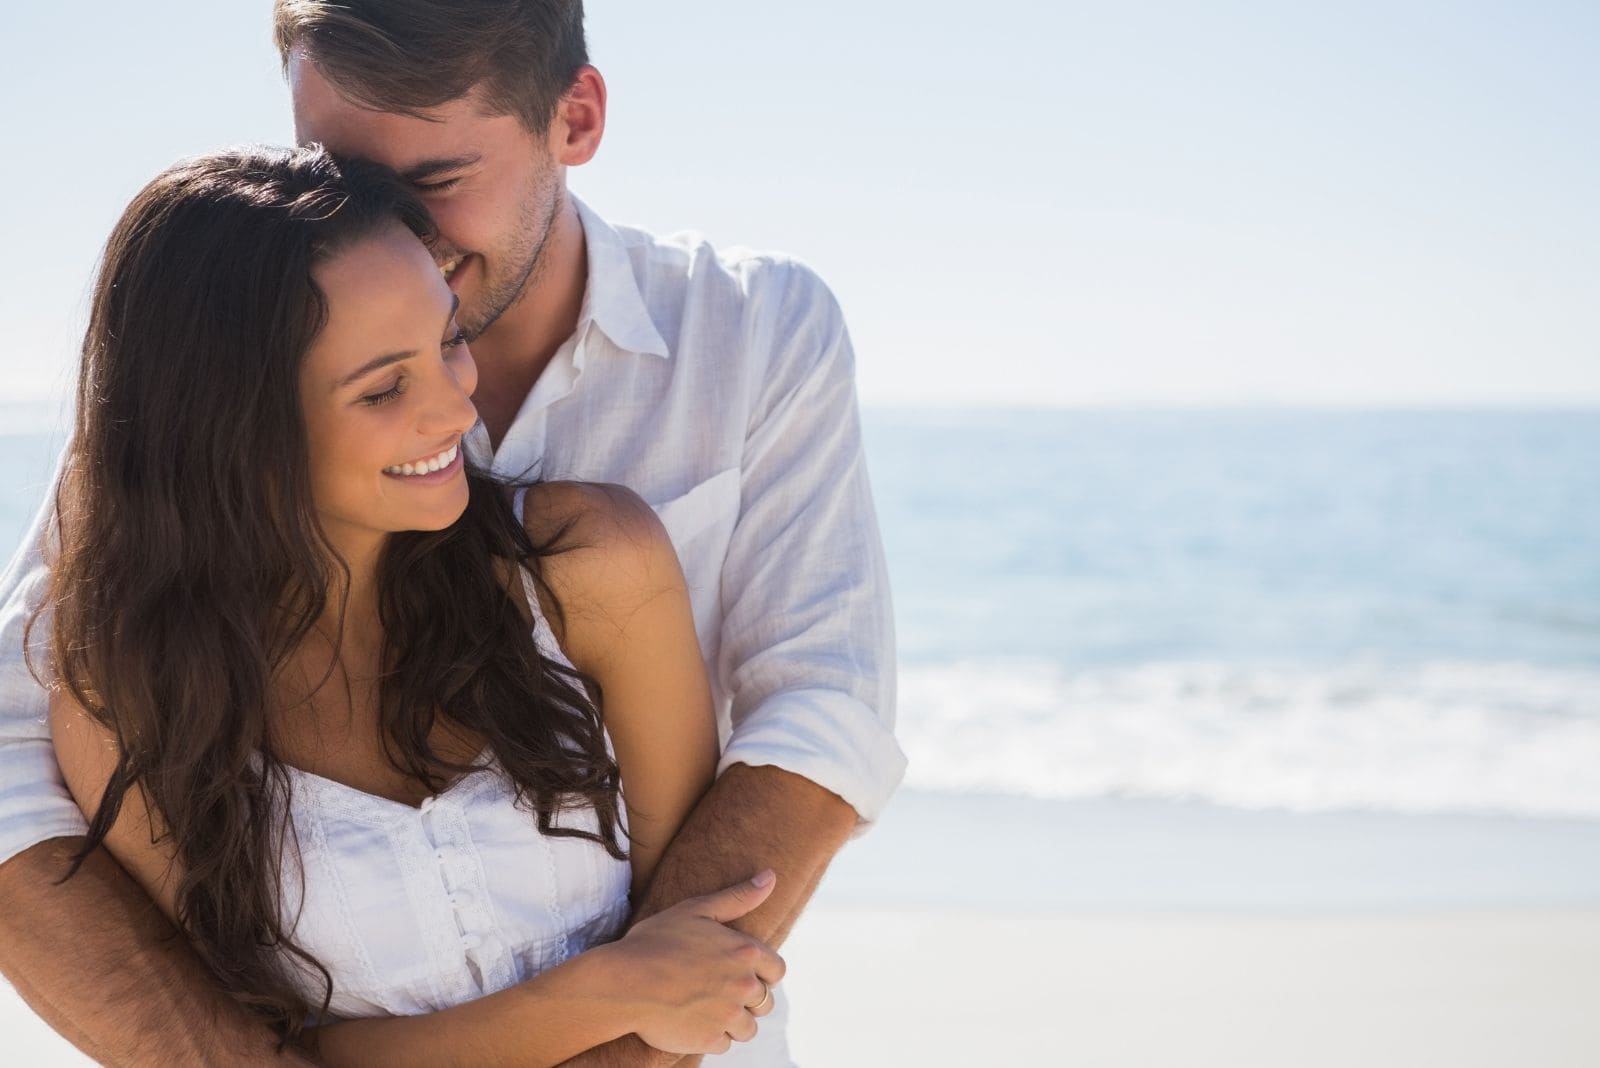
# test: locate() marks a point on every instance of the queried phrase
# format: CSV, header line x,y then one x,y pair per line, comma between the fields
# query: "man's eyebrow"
x,y
429,168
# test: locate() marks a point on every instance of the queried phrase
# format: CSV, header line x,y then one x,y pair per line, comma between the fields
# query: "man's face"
x,y
492,185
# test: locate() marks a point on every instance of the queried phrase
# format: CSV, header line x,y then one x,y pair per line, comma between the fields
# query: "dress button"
x,y
427,805
461,899
471,941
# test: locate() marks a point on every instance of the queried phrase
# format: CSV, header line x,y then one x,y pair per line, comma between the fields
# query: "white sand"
x,y
882,987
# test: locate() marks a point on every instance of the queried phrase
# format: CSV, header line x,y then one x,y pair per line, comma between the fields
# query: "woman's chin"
x,y
438,515
445,518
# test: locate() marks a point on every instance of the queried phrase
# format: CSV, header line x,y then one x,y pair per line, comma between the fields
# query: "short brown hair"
x,y
409,55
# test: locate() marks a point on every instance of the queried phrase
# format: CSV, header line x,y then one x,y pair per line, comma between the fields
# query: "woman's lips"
x,y
443,474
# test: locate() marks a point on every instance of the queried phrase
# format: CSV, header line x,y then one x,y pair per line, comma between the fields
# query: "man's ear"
x,y
580,119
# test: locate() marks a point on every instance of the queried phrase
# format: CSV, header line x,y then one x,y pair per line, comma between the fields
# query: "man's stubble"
x,y
523,255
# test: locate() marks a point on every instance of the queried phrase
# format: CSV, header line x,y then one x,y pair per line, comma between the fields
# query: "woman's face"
x,y
386,390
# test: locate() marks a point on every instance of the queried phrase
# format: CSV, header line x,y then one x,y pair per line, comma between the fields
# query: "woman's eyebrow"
x,y
373,365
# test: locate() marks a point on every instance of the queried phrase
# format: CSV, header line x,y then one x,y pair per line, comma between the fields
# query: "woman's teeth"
x,y
449,268
428,466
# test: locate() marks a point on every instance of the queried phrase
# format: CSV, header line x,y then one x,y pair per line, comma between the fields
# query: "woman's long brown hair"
x,y
191,563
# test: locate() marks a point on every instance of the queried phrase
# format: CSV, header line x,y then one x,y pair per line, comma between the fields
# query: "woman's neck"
x,y
353,592
325,689
348,636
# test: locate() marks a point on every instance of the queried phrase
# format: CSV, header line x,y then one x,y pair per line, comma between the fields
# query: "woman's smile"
x,y
440,467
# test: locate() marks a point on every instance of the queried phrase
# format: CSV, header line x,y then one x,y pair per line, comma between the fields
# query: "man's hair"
x,y
407,56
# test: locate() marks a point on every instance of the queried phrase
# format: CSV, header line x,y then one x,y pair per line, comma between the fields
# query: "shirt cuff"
x,y
826,736
34,805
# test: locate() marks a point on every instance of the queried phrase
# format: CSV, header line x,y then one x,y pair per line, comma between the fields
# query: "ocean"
x,y
1297,611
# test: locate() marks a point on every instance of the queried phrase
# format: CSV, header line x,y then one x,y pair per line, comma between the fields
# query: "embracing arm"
x,y
807,635
760,815
128,976
608,991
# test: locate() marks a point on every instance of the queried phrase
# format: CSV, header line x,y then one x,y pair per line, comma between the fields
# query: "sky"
x,y
1018,204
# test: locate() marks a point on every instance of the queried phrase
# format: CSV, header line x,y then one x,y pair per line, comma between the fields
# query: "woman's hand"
x,y
701,985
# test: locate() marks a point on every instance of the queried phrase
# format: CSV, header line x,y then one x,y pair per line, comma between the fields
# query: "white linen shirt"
x,y
720,387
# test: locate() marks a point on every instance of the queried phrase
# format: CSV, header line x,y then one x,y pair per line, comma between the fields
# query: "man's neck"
x,y
513,353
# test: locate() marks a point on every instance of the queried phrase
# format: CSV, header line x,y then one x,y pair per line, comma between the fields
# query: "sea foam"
x,y
1479,737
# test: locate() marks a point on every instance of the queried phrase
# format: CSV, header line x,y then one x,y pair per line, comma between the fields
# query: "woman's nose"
x,y
451,410
465,369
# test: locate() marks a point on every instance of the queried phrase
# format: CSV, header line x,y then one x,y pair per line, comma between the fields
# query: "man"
x,y
718,387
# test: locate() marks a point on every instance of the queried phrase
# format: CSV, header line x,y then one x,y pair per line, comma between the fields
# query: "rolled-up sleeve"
x,y
807,641
34,803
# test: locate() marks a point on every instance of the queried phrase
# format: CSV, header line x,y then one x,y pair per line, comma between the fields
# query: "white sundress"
x,y
413,910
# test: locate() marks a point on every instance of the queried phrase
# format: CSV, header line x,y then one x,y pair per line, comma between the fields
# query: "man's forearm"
x,y
129,991
752,818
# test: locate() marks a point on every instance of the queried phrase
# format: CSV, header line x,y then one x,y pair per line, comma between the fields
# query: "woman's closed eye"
x,y
387,395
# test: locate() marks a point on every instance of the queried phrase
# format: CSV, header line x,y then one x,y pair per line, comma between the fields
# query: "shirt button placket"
x,y
447,828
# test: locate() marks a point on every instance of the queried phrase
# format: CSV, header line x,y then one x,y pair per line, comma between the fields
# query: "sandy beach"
x,y
1469,990
999,931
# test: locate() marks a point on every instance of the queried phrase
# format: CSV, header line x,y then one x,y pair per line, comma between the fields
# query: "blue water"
x,y
1290,610
1095,539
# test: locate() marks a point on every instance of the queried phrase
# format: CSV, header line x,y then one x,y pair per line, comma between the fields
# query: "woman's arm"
x,y
682,983
625,621
87,753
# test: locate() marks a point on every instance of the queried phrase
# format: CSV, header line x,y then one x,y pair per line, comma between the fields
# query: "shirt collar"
x,y
612,300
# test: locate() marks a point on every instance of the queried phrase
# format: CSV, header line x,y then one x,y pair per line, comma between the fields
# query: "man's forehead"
x,y
405,142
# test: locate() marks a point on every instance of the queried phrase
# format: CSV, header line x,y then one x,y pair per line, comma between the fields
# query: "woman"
x,y
360,720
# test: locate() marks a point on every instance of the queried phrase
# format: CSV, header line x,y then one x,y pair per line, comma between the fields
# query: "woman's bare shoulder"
x,y
608,555
583,514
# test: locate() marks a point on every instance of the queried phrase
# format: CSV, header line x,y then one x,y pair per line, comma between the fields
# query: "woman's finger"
x,y
727,905
744,1028
759,1001
770,968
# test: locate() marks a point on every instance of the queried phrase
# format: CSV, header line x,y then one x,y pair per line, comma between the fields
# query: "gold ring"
x,y
766,996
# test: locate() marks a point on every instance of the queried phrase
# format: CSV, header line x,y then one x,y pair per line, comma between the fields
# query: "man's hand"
x,y
131,992
752,818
